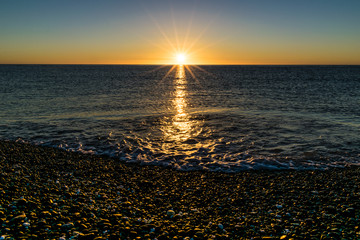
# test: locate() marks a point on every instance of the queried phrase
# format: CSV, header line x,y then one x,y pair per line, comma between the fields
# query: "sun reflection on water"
x,y
184,135
180,127
181,123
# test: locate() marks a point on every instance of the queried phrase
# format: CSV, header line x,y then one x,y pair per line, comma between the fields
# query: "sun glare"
x,y
180,58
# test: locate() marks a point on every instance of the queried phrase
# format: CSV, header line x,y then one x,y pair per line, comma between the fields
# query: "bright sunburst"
x,y
180,58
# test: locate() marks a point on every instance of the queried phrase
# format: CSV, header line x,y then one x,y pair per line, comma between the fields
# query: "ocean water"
x,y
218,118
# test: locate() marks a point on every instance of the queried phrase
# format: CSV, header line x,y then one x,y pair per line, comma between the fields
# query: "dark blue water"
x,y
225,118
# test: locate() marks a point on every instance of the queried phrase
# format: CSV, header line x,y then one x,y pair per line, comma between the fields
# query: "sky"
x,y
156,31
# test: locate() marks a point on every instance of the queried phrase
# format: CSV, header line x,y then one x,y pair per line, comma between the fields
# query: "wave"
x,y
229,163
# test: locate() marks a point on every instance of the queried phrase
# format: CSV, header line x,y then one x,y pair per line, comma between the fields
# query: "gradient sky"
x,y
152,32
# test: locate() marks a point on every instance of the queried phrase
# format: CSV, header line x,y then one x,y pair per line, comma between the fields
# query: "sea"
x,y
187,117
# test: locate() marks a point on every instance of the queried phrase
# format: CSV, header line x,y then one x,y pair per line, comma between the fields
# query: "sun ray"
x,y
194,42
206,46
188,30
158,45
193,75
162,32
167,74
203,70
175,31
199,36
196,39
183,40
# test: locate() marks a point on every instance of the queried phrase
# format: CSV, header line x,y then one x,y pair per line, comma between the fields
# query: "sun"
x,y
180,58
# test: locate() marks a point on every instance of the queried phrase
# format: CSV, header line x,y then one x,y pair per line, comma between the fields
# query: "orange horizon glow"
x,y
180,47
166,54
170,58
175,36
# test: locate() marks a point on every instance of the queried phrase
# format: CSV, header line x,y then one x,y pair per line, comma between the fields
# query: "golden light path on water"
x,y
181,121
181,130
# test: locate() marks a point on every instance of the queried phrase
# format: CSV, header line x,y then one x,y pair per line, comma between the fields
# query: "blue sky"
x,y
228,32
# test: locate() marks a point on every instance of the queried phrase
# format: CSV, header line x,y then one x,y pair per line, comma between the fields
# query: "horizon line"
x,y
202,64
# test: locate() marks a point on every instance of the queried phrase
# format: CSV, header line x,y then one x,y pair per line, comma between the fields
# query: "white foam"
x,y
232,163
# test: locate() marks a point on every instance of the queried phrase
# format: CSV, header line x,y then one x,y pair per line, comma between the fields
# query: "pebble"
x,y
60,194
18,218
68,225
170,213
26,224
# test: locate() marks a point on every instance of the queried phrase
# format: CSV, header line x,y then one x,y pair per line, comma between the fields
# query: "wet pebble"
x,y
76,196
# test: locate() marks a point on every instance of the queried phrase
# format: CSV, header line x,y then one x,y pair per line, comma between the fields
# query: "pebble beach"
x,y
47,193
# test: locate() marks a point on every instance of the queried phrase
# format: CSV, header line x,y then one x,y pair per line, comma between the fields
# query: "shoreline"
x,y
50,193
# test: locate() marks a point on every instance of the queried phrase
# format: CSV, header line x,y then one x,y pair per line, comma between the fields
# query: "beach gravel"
x,y
47,193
